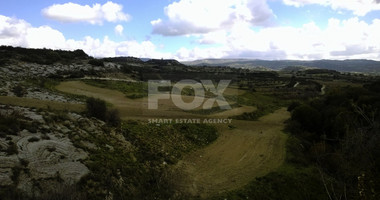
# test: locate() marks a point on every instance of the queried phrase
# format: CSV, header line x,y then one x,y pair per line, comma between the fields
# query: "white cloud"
x,y
44,37
358,7
95,14
12,31
341,39
347,39
16,32
119,29
203,16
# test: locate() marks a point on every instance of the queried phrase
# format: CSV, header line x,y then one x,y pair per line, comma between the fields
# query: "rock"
x,y
87,125
8,161
45,159
65,130
89,145
5,176
34,116
24,133
74,116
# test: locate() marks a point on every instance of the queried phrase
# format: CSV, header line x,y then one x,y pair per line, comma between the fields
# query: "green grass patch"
x,y
36,103
131,90
46,83
265,104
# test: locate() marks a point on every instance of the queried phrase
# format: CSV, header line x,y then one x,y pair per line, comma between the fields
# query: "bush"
x,y
19,91
11,124
293,105
96,108
308,117
113,117
96,62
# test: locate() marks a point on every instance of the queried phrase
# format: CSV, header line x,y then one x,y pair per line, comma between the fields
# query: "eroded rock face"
x,y
46,157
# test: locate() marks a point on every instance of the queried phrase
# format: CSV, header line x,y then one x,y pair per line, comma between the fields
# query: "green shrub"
x,y
11,124
113,117
96,62
308,117
96,108
19,90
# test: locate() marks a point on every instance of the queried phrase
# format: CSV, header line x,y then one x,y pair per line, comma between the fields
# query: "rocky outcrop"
x,y
37,159
23,70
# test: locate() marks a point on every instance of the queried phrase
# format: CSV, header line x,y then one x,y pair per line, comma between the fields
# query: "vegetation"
x,y
40,56
339,65
19,90
11,124
142,172
36,103
96,62
340,136
265,104
332,150
131,90
288,182
97,108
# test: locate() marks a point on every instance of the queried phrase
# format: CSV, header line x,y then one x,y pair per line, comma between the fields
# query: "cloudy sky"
x,y
196,29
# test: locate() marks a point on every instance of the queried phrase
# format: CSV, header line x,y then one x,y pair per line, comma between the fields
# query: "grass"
x,y
265,104
131,90
294,180
141,166
261,110
36,103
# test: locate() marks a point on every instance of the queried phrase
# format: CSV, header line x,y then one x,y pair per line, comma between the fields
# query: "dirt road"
x,y
252,149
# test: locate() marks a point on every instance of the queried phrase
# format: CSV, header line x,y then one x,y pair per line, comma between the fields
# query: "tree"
x,y
308,117
19,91
96,108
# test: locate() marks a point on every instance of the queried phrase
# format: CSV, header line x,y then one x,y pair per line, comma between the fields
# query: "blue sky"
x,y
196,29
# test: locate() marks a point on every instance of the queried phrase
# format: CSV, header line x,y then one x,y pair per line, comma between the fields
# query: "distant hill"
x,y
40,56
363,66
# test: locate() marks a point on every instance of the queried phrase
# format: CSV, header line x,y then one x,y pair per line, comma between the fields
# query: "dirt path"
x,y
252,149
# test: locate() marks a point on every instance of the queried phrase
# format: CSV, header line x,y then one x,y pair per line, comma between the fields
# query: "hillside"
x,y
77,127
362,66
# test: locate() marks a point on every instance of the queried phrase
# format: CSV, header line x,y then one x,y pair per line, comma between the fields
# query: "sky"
x,y
197,29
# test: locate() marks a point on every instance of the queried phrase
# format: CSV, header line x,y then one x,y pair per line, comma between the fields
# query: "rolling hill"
x,y
361,66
